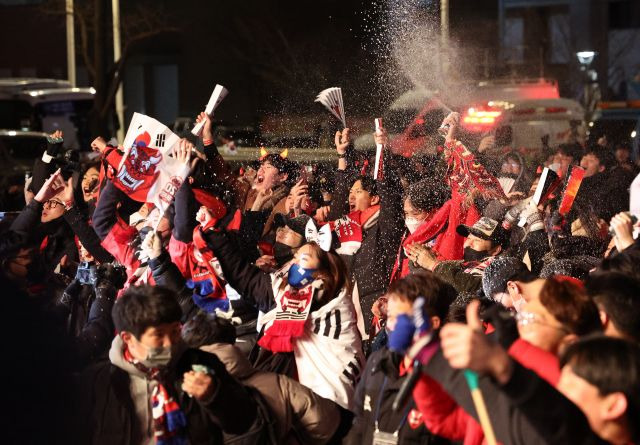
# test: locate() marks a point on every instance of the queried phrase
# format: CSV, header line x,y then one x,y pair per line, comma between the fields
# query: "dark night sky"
x,y
275,55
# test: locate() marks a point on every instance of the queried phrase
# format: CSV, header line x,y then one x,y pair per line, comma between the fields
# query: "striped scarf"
x,y
169,422
292,310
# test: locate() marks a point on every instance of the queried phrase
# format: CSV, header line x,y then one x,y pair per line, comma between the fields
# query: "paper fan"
x,y
331,98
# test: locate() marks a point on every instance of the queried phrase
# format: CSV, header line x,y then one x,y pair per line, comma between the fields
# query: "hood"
x,y
236,363
116,357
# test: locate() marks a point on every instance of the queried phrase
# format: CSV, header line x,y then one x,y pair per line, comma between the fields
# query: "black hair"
x,y
142,307
625,262
573,150
284,165
10,244
619,297
427,194
604,155
611,365
438,294
368,184
206,329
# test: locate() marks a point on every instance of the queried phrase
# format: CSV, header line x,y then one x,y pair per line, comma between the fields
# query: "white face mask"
x,y
412,223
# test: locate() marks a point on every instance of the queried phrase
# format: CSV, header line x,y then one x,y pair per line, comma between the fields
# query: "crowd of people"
x,y
281,303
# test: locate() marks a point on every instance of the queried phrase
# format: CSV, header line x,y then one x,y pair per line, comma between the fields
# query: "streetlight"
x,y
585,58
591,91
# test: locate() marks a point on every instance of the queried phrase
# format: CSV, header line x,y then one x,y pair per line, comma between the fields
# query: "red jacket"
x,y
442,415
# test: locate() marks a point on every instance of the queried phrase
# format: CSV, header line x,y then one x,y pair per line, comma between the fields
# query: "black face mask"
x,y
282,253
475,255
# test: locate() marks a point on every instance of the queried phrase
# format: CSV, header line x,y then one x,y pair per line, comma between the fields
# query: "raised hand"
x,y
198,385
266,263
66,195
381,137
453,121
466,346
182,151
152,245
421,255
57,135
262,198
28,194
51,187
99,144
206,128
322,213
342,141
204,216
486,143
623,230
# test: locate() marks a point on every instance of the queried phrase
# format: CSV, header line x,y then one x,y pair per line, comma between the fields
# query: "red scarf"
x,y
207,284
349,228
292,311
169,422
465,174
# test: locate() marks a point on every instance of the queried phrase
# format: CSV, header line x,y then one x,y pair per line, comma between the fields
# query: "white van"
x,y
47,110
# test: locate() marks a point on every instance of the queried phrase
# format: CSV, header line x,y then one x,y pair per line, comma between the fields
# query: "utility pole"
x,y
444,22
444,38
117,54
71,44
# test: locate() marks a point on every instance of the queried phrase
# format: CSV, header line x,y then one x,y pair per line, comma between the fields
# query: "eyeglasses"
x,y
527,318
52,204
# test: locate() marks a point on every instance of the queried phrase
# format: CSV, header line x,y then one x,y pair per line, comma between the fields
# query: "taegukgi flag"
x,y
145,170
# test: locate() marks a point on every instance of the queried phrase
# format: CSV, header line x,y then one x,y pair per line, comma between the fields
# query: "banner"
x,y
146,170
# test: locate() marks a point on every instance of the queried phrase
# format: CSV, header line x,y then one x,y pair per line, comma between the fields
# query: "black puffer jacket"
x,y
370,267
375,394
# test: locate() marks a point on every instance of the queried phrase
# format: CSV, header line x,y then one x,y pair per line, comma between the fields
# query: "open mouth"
x,y
352,207
259,179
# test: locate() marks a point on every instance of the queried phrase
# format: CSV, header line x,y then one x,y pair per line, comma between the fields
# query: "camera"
x,y
68,163
87,273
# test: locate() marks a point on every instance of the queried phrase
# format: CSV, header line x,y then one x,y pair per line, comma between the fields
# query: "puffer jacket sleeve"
x,y
253,284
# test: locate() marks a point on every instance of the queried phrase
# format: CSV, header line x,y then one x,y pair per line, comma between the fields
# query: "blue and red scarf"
x,y
169,422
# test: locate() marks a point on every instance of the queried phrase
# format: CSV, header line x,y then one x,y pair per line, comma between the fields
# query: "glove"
x,y
402,335
54,145
420,318
109,274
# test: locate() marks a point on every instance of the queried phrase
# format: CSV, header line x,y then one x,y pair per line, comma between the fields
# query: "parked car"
x,y
18,151
47,105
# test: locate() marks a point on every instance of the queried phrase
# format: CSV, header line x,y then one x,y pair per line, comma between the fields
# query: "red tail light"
x,y
480,119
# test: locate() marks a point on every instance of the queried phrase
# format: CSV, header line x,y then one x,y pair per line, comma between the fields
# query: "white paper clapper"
x,y
219,93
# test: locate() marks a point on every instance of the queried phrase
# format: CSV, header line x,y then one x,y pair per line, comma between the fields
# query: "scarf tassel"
x,y
279,336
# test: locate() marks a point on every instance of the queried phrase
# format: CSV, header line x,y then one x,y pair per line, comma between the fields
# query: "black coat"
x,y
370,267
106,412
381,379
59,236
526,410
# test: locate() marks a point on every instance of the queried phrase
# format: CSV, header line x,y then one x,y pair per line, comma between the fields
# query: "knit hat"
x,y
500,271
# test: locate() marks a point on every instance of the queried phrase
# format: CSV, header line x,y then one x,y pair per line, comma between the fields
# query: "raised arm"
x,y
253,284
344,177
